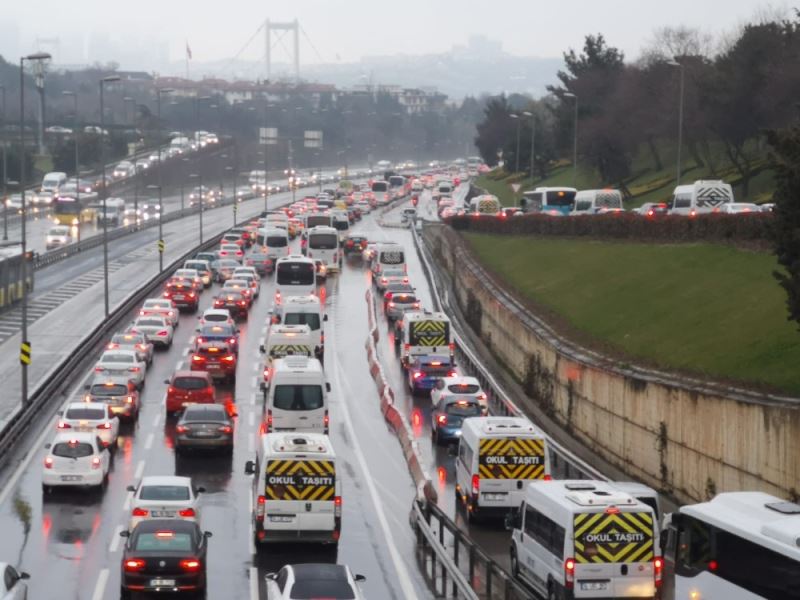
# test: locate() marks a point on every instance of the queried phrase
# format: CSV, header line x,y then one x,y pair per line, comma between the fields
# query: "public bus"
x,y
69,211
743,545
548,200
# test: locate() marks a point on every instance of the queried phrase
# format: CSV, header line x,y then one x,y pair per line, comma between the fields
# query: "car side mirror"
x,y
513,520
48,446
131,488
199,490
360,578
250,468
166,381
327,386
124,533
207,534
325,318
60,413
262,349
271,576
24,575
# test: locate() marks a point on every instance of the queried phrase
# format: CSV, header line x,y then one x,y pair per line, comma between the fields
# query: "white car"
x,y
58,237
12,583
137,342
122,363
164,497
231,251
314,580
364,206
251,270
75,459
192,274
459,387
252,282
737,208
162,307
123,169
91,417
216,315
157,329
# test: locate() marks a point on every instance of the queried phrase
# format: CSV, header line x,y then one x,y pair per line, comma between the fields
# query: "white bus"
x,y
742,545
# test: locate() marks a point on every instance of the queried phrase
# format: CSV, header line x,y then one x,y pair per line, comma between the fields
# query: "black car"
x,y
204,427
164,555
235,302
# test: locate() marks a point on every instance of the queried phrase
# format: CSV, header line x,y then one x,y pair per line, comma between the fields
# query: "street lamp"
x,y
675,63
533,142
517,119
74,97
232,171
5,163
25,344
574,139
159,92
181,177
199,178
103,82
160,235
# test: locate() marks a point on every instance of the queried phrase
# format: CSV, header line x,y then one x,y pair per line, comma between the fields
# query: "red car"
x,y
183,295
189,387
235,302
217,359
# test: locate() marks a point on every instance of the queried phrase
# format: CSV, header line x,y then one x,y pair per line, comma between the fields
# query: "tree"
x,y
785,146
496,129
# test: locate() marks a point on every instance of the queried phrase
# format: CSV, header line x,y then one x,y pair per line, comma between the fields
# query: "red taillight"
x,y
337,506
326,420
134,369
391,304
190,564
162,333
96,462
181,429
226,429
269,420
139,512
104,426
186,513
406,347
134,564
713,565
129,399
452,374
242,303
658,570
417,374
62,425
48,462
197,358
232,341
112,346
476,485
441,420
569,573
230,358
261,508
452,347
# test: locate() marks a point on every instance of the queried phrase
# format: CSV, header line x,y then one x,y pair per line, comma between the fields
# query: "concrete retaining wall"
x,y
686,437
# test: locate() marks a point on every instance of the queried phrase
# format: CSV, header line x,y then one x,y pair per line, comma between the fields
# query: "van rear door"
x,y
300,495
299,407
504,465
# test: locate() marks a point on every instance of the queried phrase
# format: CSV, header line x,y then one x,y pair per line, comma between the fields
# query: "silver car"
x,y
136,342
121,363
157,329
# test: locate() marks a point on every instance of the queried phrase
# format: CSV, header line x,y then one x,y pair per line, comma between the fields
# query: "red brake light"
x,y
162,333
197,357
226,429
181,429
190,564
476,485
187,512
417,374
48,462
62,425
96,462
658,570
133,369
134,564
612,510
713,565
104,426
139,512
261,508
569,573
441,419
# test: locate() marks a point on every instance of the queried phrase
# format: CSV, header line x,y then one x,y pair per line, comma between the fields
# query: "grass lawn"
x,y
708,309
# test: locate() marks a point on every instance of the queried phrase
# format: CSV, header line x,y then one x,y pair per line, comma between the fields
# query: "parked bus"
x,y
548,200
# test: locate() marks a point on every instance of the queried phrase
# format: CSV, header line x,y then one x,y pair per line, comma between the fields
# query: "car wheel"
x,y
552,593
514,563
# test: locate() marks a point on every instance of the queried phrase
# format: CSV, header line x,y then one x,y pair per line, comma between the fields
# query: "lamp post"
x,y
232,171
25,345
517,119
74,97
675,63
103,82
5,163
199,178
161,246
574,139
185,161
533,140
159,92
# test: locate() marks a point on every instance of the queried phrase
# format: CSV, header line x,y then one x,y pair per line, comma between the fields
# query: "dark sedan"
x,y
204,427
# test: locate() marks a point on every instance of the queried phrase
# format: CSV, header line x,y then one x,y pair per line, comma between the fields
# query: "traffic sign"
x,y
161,246
268,135
515,187
312,139
25,353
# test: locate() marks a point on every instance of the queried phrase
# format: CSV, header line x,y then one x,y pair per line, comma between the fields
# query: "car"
x,y
94,417
652,210
164,497
460,387
737,208
239,285
314,580
396,287
369,252
119,394
231,251
188,387
320,270
203,268
426,370
207,195
249,269
122,363
236,303
12,583
399,302
215,358
193,275
252,280
204,427
448,415
157,329
162,307
214,316
218,332
224,268
137,342
161,555
389,277
150,211
182,294
58,237
355,244
123,169
75,459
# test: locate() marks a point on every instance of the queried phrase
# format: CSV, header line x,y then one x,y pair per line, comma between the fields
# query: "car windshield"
x,y
307,589
323,241
298,397
215,317
171,493
73,449
295,274
341,225
190,383
94,414
157,304
127,339
277,241
162,541
310,319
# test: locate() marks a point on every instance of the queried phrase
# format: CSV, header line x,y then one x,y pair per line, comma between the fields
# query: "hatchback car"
x,y
399,303
204,427
425,371
259,259
213,316
224,268
136,342
122,363
163,497
460,387
218,332
215,358
354,245
314,580
448,415
164,555
188,387
90,417
75,459
182,294
232,252
239,285
390,276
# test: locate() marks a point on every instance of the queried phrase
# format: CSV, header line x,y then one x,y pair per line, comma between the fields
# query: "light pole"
x,y
675,63
533,140
574,139
74,97
103,82
25,344
5,164
199,177
185,161
159,92
161,246
232,171
517,119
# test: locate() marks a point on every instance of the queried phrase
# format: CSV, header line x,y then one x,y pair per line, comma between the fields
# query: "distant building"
x,y
413,100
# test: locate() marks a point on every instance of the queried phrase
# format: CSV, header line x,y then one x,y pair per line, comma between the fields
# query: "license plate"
x,y
593,586
494,496
163,514
179,297
280,519
71,477
205,434
162,583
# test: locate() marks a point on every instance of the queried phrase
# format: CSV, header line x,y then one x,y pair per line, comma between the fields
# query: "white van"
x,y
297,398
275,242
388,255
700,197
295,275
497,456
442,189
305,310
424,333
592,202
323,245
297,496
283,341
585,539
53,181
341,222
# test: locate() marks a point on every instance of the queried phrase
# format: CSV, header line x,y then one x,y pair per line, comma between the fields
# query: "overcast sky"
x,y
346,30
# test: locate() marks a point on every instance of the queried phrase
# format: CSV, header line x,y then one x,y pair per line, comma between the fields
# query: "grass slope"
x,y
712,310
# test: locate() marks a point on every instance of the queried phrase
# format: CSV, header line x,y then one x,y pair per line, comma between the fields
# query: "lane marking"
x,y
252,538
100,587
251,447
253,583
148,443
185,352
179,366
251,419
156,420
115,539
137,475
